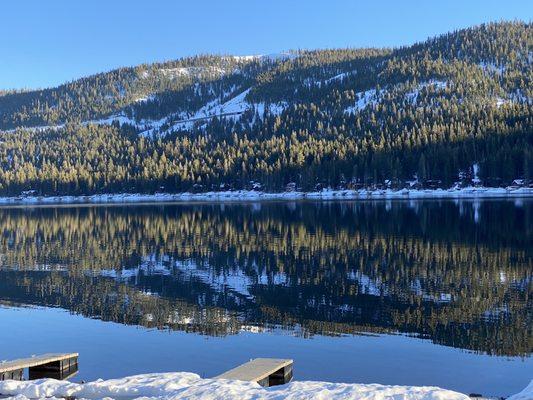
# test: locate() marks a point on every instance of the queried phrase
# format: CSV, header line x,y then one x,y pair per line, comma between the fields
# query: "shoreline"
x,y
254,196
186,385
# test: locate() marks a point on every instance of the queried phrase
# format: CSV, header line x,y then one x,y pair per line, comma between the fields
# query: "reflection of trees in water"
x,y
457,273
112,301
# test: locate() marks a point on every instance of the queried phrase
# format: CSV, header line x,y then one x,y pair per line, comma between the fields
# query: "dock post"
x,y
16,375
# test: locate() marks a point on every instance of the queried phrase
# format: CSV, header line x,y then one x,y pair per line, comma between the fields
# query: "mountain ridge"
x,y
312,117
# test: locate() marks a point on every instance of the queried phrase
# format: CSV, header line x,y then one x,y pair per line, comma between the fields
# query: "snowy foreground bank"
x,y
249,195
183,385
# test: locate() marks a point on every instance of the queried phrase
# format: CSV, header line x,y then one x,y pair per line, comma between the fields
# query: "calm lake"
x,y
394,292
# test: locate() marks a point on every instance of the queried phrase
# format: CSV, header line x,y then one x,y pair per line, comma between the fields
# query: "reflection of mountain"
x,y
111,301
459,274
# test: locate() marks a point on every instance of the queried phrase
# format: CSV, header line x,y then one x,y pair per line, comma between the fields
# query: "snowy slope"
x,y
230,109
364,99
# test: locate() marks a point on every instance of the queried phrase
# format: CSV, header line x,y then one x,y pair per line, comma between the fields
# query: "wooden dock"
x,y
265,371
46,365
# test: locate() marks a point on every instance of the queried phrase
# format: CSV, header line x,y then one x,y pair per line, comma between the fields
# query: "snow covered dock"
x,y
265,371
38,365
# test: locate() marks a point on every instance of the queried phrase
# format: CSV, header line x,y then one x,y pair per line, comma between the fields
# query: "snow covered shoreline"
x,y
185,385
249,195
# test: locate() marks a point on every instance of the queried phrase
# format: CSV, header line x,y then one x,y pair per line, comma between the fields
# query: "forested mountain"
x,y
347,117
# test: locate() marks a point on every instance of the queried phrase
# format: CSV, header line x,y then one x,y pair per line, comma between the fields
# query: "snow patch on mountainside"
x,y
146,99
246,58
500,102
237,104
339,77
173,73
180,120
266,57
272,108
371,97
437,85
231,109
492,67
121,119
363,100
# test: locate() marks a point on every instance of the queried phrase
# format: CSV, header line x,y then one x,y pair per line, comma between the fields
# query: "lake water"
x,y
394,292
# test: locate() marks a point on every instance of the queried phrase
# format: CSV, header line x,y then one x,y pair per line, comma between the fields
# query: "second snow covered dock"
x,y
265,371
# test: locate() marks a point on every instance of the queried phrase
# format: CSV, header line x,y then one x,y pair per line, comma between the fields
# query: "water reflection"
x,y
459,273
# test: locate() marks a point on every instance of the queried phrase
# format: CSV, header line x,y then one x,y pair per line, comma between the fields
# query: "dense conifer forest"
x,y
435,110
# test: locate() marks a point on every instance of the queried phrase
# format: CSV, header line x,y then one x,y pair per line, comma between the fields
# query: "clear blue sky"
x,y
44,43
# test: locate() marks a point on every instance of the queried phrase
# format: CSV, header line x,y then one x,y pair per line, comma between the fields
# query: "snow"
x,y
184,385
368,285
173,73
526,394
279,56
273,108
35,128
250,195
518,96
369,97
145,99
122,119
232,108
499,102
246,58
339,77
412,96
492,67
268,57
235,106
114,118
364,99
